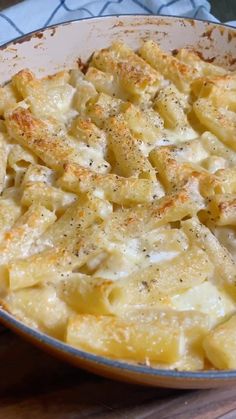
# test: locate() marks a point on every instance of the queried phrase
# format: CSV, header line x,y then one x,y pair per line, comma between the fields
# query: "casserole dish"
x,y
42,52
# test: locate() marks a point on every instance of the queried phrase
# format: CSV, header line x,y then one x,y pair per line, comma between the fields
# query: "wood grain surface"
x,y
34,385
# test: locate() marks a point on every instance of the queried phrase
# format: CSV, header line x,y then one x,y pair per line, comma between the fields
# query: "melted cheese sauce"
x,y
140,253
227,237
206,298
58,105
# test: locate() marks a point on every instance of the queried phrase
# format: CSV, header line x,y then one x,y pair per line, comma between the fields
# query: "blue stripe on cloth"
x,y
193,4
108,4
8,20
198,10
144,7
82,9
167,5
54,13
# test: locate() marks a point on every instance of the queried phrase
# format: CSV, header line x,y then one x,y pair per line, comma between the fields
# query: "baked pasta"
x,y
118,207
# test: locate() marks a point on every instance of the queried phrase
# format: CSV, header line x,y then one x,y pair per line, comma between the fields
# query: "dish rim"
x,y
55,25
8,319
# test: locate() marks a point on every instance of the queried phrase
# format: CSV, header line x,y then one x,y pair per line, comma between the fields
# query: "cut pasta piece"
x,y
219,96
19,160
75,76
85,294
47,313
157,283
208,298
25,81
10,210
179,73
220,345
145,125
50,197
134,75
129,158
3,160
85,91
195,326
112,249
8,98
220,121
51,96
94,294
135,253
87,132
225,266
225,81
35,134
38,173
143,218
48,266
227,237
171,105
187,151
172,173
91,247
76,218
54,148
223,209
101,107
115,338
12,193
194,58
221,182
104,82
124,191
191,321
110,252
215,147
17,241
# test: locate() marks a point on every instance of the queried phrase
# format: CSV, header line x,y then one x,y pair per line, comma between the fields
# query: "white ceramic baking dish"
x,y
63,46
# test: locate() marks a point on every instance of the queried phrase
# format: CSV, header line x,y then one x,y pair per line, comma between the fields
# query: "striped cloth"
x,y
30,15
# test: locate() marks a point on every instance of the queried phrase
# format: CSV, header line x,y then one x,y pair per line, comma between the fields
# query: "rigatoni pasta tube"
x,y
17,241
113,337
220,345
115,188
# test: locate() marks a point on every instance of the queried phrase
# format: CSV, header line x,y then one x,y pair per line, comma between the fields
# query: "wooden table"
x,y
34,385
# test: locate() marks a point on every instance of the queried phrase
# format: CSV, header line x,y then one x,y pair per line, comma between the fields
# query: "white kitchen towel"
x,y
29,15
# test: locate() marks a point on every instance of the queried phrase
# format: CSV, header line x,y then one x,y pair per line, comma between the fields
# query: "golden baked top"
x,y
118,206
